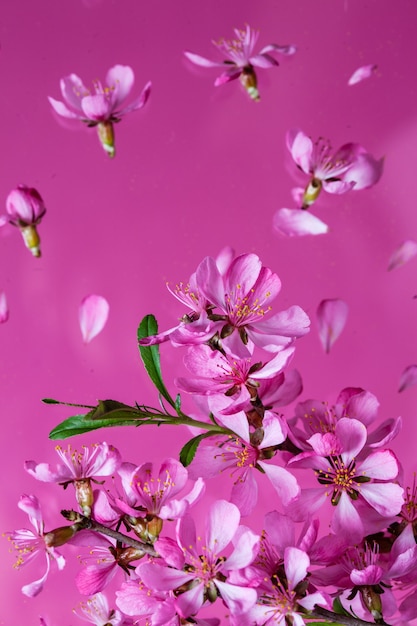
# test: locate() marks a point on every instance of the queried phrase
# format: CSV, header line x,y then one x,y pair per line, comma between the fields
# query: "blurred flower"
x,y
350,168
25,209
29,544
93,314
408,377
331,319
362,73
101,106
406,251
4,309
96,611
240,61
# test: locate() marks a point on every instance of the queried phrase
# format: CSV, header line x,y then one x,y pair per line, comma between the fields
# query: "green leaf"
x,y
107,413
178,403
339,608
188,451
150,356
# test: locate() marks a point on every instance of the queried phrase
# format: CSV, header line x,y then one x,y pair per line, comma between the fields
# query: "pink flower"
x,y
25,209
101,106
30,544
78,468
240,61
243,296
350,168
96,611
347,481
238,379
201,569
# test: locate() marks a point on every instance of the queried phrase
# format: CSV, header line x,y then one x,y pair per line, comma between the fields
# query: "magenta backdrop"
x,y
197,169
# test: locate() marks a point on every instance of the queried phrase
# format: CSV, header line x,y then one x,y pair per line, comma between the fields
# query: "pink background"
x,y
197,169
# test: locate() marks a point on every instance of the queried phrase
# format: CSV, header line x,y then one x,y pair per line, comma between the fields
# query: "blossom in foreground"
x,y
96,610
354,486
92,315
78,467
331,319
350,168
25,209
100,106
362,73
30,544
199,569
240,59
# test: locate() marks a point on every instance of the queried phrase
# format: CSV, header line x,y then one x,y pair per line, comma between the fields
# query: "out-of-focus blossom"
x,y
92,314
406,251
199,570
4,309
362,73
25,209
100,106
241,60
408,378
296,223
30,544
350,168
78,468
96,610
331,319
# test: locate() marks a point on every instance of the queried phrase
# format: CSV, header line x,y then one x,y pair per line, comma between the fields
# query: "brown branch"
x,y
336,618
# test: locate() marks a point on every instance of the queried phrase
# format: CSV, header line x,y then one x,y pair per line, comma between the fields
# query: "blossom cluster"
x,y
139,529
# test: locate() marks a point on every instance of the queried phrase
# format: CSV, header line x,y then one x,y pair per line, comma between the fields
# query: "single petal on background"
x,y
362,73
331,319
93,314
202,61
4,309
408,377
406,251
297,223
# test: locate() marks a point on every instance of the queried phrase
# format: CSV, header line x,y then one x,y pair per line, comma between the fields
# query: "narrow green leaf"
x,y
80,424
178,403
50,401
339,608
188,451
150,356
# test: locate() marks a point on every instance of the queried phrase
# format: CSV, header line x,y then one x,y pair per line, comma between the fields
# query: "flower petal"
x,y
331,320
202,61
121,79
297,223
4,309
408,377
61,109
365,171
363,72
406,251
93,314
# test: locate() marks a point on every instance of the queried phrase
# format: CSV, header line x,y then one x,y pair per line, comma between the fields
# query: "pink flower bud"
x,y
25,209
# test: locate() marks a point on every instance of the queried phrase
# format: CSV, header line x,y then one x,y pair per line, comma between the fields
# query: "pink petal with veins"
x,y
331,319
93,314
362,73
297,223
406,251
408,377
4,309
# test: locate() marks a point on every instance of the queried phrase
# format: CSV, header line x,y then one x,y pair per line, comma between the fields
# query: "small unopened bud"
x,y
106,135
25,209
59,536
154,527
311,192
84,495
250,83
211,593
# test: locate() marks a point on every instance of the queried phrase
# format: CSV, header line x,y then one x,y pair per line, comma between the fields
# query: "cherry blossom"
x,y
102,105
240,59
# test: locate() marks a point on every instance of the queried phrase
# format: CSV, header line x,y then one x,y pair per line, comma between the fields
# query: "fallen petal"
x,y
403,254
408,378
362,73
93,314
297,222
4,309
331,319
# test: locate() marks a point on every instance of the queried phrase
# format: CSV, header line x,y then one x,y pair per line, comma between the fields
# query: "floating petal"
x,y
408,377
93,314
331,319
403,254
297,222
4,309
362,73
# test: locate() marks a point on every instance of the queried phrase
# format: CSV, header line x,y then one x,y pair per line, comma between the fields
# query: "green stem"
x,y
336,618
